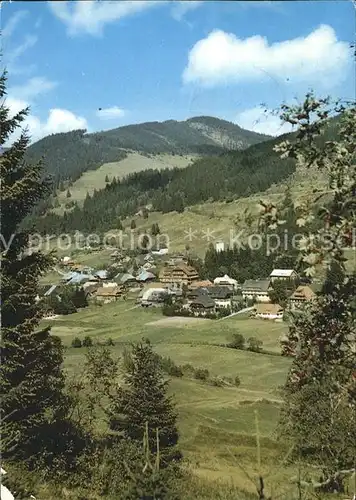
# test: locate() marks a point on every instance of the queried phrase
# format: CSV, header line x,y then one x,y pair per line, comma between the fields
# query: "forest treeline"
x,y
67,155
225,177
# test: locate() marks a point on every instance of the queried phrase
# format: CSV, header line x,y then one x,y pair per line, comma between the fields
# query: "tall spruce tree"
x,y
31,378
144,401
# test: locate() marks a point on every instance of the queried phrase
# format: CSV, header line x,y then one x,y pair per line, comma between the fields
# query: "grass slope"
x,y
134,162
211,419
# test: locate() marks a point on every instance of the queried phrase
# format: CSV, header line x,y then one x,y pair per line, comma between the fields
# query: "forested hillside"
x,y
68,155
228,176
225,177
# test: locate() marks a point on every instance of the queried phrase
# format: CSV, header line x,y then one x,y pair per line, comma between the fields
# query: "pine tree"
x,y
33,405
133,224
69,194
144,401
106,178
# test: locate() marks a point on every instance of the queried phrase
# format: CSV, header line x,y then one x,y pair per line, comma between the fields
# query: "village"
x,y
157,279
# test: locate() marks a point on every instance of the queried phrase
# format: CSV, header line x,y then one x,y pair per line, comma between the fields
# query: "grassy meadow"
x,y
217,424
134,162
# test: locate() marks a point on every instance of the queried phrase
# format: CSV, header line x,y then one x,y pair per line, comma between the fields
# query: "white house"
x,y
283,274
257,290
154,296
269,311
226,281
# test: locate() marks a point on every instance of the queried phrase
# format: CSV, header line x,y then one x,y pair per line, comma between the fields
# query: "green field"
x,y
134,162
214,422
224,220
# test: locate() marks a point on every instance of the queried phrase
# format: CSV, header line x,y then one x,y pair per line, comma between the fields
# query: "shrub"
x,y
237,381
201,374
170,367
87,342
170,310
210,315
224,312
238,341
217,381
188,369
109,342
254,344
76,342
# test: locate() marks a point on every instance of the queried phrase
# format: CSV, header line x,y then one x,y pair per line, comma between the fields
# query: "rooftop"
x,y
256,285
108,291
268,308
303,293
283,273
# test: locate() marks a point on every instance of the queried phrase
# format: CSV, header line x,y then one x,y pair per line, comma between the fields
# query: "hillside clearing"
x,y
134,162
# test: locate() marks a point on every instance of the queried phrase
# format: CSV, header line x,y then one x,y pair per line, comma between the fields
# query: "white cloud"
x,y
179,9
15,105
91,16
13,22
58,120
12,53
62,120
222,58
110,113
262,121
32,88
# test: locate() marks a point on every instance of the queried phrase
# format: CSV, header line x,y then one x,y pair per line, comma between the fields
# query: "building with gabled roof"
x,y
256,290
283,274
203,303
178,274
125,278
268,311
108,293
301,296
226,281
145,276
201,284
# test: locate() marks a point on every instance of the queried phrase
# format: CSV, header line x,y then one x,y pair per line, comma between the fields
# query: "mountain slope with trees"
x,y
225,177
68,155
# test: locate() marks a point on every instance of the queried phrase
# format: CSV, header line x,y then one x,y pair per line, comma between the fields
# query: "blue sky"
x,y
146,60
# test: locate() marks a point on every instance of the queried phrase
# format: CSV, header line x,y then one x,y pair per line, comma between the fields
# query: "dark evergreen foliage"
x,y
233,174
33,404
143,401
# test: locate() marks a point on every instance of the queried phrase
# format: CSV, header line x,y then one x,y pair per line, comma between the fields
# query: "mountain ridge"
x,y
69,154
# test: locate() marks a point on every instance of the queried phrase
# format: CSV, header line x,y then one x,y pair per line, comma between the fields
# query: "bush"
x,y
237,381
201,374
224,312
87,342
188,369
110,342
238,341
254,344
170,367
169,310
217,382
76,342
